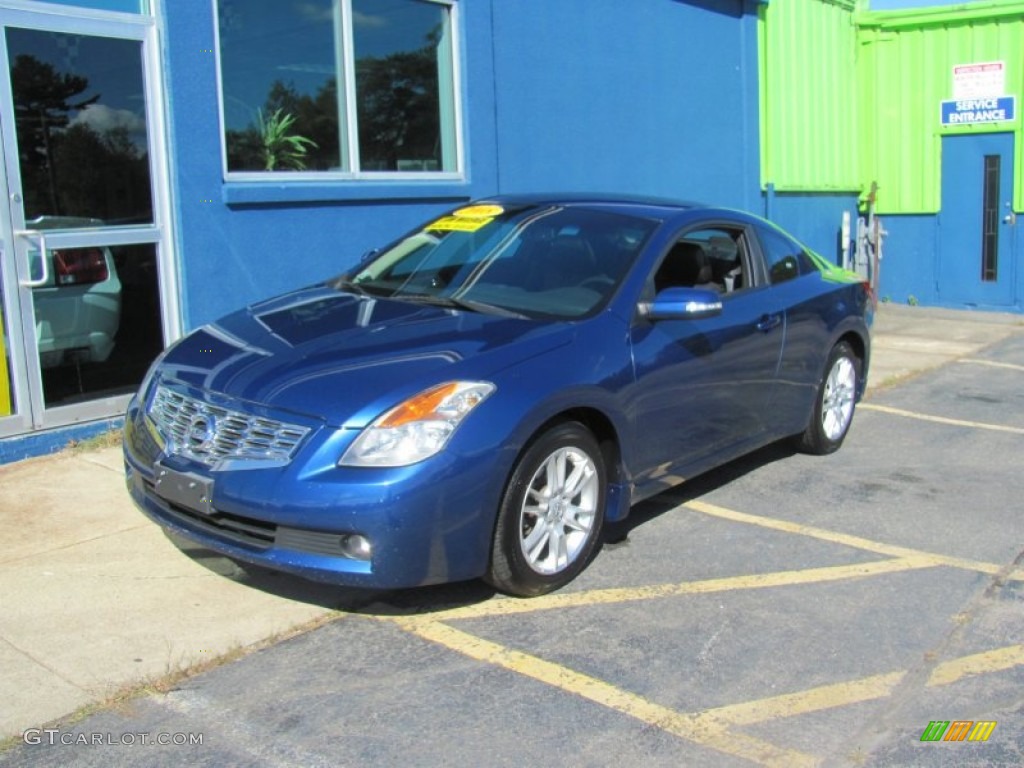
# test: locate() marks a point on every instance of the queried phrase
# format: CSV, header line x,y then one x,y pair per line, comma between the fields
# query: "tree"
x,y
104,175
43,102
398,107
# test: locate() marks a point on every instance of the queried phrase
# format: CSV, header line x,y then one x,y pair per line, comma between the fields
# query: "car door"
x,y
702,386
807,302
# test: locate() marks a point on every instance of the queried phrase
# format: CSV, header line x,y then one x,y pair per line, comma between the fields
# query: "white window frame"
x,y
348,122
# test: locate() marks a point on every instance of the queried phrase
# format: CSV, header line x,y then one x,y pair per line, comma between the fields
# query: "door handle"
x,y
767,322
43,259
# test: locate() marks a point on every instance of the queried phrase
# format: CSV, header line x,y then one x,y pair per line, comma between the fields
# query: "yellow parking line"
x,y
976,664
849,540
700,729
562,600
941,419
811,700
992,363
864,689
710,728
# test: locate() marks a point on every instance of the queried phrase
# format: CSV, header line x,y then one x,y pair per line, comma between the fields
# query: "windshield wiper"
x,y
458,303
344,284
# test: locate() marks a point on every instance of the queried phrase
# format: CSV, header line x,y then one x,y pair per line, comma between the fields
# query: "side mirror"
x,y
683,304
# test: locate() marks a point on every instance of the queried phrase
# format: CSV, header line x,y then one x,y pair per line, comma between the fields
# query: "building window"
x,y
990,220
354,87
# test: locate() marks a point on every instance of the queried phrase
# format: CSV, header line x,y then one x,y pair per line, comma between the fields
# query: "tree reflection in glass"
x,y
82,144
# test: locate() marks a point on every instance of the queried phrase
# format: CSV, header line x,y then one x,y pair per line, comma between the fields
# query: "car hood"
x,y
346,358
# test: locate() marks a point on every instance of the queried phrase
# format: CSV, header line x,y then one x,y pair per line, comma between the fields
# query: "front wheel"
x,y
551,514
833,407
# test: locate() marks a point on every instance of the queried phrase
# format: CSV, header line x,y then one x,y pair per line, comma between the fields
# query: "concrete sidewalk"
x,y
94,598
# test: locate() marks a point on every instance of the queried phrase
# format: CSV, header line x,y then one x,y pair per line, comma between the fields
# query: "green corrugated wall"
x,y
807,52
850,97
905,69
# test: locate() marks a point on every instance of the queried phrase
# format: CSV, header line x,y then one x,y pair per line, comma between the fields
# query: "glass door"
x,y
84,245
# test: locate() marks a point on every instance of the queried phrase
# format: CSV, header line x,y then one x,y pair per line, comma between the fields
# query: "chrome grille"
x,y
212,434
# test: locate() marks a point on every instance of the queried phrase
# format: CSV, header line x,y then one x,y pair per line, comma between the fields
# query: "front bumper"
x,y
426,524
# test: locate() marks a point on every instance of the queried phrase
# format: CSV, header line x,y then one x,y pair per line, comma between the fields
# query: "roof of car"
x,y
659,207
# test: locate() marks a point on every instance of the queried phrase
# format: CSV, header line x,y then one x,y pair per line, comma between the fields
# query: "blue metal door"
x,y
975,248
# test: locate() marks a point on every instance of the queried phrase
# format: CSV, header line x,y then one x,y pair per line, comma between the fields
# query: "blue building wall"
x,y
815,219
574,95
238,242
909,269
910,272
661,100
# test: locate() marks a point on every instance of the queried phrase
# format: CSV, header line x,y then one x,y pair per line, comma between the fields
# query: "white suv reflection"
x,y
78,309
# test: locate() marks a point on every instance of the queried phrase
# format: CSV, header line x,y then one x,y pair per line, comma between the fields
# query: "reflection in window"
x,y
990,220
786,258
281,65
81,127
98,322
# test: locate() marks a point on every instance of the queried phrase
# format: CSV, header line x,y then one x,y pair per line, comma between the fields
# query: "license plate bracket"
x,y
186,489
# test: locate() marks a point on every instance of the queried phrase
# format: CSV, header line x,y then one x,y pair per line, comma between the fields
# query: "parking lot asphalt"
x,y
783,610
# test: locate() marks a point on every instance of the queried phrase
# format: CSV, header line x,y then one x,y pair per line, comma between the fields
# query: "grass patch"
x,y
109,439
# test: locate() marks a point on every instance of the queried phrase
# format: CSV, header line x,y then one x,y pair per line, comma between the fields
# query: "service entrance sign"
x,y
998,109
979,95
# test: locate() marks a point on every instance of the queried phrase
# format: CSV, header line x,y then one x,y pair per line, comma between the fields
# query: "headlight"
x,y
417,428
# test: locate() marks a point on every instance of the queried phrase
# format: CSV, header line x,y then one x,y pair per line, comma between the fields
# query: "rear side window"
x,y
785,258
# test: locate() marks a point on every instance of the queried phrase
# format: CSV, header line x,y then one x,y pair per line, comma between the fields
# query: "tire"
x,y
551,513
834,404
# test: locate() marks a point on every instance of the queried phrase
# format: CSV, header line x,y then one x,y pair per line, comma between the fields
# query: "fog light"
x,y
357,547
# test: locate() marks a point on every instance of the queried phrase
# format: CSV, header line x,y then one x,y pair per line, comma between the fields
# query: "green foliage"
x,y
280,148
397,107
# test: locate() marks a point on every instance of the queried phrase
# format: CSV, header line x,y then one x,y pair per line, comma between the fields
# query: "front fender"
x,y
582,381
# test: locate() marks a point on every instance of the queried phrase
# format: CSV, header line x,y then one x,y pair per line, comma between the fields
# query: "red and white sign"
x,y
984,79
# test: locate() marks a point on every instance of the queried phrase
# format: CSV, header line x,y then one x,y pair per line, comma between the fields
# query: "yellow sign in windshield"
x,y
479,211
468,219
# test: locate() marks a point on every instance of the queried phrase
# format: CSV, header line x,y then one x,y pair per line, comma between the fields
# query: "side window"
x,y
784,257
709,258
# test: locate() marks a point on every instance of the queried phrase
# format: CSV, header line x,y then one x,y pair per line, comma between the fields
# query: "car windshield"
x,y
548,261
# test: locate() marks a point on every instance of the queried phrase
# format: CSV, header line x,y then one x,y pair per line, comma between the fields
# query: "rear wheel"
x,y
834,405
551,514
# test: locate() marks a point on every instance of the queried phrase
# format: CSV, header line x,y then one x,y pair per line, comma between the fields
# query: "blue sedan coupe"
x,y
480,397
